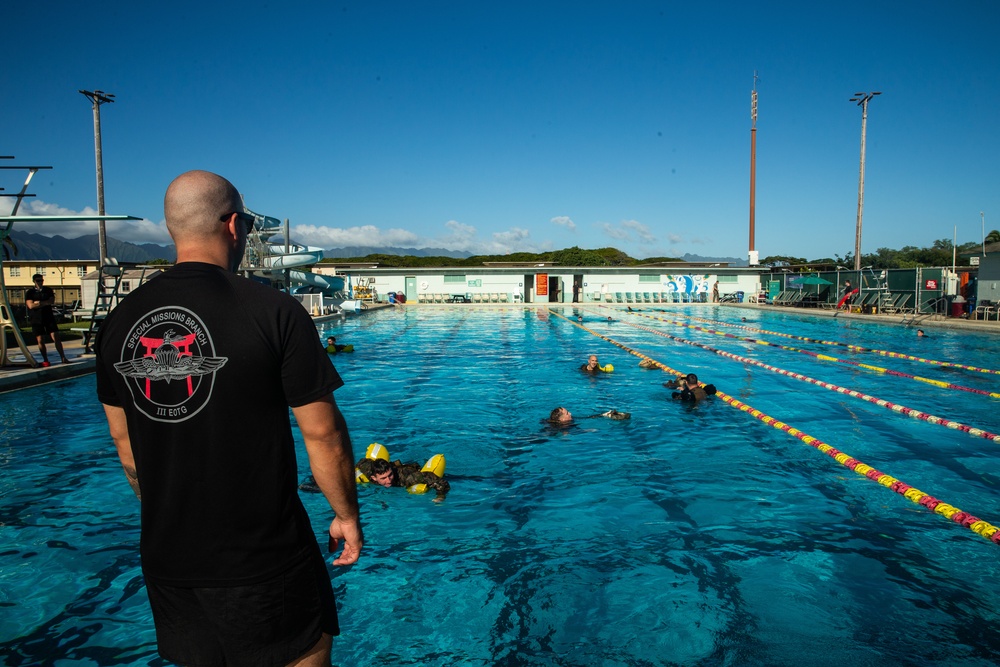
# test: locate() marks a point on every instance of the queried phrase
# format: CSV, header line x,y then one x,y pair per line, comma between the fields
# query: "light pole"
x,y
753,256
97,98
862,99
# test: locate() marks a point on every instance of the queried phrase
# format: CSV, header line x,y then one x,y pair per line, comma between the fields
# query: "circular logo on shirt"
x,y
168,361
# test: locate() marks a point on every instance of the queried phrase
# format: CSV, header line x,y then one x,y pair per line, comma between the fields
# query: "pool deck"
x,y
21,377
909,320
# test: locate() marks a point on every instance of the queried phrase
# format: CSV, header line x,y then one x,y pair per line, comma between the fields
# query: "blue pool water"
x,y
685,536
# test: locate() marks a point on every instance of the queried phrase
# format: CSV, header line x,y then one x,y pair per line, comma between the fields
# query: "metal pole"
x,y
97,98
862,99
982,217
753,164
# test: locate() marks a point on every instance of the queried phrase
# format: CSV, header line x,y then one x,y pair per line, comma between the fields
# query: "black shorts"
x,y
267,624
44,325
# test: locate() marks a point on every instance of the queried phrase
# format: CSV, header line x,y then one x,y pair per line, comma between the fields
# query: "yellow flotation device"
x,y
374,451
608,368
435,464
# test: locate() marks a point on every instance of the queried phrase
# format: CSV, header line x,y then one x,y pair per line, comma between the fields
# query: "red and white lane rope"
x,y
855,348
826,357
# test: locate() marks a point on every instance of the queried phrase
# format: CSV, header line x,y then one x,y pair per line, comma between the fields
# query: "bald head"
x,y
195,202
199,208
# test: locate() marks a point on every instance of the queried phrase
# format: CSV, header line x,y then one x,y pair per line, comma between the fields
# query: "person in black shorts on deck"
x,y
39,301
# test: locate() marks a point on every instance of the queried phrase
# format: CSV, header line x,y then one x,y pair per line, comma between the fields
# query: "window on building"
x,y
655,278
455,279
125,287
729,279
40,269
81,271
15,272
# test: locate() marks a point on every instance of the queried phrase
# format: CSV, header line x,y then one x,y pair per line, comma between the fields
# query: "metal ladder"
x,y
106,299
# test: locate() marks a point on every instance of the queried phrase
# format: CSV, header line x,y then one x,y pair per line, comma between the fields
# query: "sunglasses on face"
x,y
246,218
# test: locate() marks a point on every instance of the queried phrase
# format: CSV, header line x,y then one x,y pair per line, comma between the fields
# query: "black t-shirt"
x,y
205,364
44,293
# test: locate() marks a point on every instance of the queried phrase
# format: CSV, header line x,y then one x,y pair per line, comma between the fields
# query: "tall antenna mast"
x,y
754,258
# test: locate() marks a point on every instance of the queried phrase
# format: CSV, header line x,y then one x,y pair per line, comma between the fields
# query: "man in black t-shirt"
x,y
39,300
196,370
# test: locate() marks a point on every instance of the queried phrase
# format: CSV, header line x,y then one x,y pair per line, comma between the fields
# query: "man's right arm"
x,y
118,426
331,459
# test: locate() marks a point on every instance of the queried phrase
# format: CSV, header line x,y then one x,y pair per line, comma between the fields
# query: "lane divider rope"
x,y
826,357
980,527
855,348
889,405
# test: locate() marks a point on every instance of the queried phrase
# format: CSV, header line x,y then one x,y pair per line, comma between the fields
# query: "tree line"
x,y
938,254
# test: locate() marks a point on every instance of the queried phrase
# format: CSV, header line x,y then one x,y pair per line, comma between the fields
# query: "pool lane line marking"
x,y
889,405
854,348
826,357
978,526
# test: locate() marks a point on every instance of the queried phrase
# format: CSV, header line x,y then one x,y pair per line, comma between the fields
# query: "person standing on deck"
x,y
39,301
196,370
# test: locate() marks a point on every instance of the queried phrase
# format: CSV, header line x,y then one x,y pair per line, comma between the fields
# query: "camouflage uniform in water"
x,y
408,474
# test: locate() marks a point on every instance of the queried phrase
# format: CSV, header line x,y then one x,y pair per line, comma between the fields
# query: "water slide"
x,y
326,283
296,255
280,257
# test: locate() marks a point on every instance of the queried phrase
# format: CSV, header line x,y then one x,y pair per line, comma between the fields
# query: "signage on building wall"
x,y
930,284
542,284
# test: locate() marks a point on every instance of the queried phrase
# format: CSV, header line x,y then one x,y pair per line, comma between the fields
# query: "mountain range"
x,y
35,246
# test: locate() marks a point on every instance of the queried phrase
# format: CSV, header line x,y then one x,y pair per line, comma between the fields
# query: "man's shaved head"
x,y
195,202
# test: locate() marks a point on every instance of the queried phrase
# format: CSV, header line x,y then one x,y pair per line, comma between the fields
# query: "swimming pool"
x,y
696,536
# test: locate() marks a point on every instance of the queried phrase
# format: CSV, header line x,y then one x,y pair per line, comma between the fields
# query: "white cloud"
x,y
564,221
628,231
457,236
365,235
640,230
613,232
460,235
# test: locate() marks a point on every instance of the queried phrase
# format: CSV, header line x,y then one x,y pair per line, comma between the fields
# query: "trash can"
x,y
739,296
392,297
958,306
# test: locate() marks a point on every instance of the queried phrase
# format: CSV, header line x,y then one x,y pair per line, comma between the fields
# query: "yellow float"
x,y
435,464
374,451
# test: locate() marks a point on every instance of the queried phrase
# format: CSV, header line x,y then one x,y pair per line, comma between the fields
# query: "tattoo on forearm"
x,y
133,480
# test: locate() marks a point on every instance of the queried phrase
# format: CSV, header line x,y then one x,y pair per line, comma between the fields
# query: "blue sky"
x,y
503,127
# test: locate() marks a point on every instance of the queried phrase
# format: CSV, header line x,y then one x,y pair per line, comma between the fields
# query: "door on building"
x,y
555,289
411,289
578,288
